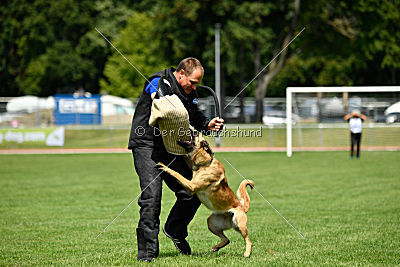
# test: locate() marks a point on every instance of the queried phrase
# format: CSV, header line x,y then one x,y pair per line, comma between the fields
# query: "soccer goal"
x,y
315,117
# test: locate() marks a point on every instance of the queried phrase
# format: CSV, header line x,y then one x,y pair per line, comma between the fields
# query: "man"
x,y
355,119
148,149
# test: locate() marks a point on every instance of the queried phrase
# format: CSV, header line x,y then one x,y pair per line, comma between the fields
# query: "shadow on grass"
x,y
200,254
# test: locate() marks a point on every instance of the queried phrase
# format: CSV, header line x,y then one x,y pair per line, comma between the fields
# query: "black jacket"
x,y
144,135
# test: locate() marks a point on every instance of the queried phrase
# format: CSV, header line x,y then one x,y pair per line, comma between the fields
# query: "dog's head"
x,y
198,149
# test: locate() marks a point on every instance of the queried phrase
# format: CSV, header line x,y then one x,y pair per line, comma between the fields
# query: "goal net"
x,y
315,117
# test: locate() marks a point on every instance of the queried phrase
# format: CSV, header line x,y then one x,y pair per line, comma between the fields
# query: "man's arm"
x,y
347,117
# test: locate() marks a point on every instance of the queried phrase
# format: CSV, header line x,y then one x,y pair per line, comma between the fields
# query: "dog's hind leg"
x,y
217,223
240,224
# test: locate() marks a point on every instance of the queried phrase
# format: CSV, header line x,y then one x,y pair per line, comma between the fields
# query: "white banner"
x,y
88,106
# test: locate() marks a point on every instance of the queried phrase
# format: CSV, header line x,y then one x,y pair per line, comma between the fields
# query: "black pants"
x,y
182,212
355,139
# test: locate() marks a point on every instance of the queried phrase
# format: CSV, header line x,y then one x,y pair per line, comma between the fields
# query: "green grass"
x,y
97,138
53,206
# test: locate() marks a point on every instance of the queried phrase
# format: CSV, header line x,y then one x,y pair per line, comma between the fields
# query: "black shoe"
x,y
181,244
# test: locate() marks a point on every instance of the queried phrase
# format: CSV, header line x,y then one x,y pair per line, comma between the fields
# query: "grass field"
x,y
53,206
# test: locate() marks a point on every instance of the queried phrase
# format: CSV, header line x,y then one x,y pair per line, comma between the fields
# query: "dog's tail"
x,y
243,195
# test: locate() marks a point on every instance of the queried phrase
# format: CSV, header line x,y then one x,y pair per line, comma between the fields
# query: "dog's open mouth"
x,y
187,145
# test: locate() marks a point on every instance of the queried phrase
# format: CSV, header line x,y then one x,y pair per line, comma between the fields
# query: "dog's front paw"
x,y
161,166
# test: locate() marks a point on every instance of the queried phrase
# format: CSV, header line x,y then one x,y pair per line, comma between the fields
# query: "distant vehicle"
x,y
393,117
275,117
392,113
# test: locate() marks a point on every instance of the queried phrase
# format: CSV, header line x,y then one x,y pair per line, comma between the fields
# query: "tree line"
x,y
50,47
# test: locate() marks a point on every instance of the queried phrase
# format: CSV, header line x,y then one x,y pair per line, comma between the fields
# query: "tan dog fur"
x,y
210,185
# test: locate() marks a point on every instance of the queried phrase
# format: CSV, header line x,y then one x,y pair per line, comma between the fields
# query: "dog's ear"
x,y
204,145
205,156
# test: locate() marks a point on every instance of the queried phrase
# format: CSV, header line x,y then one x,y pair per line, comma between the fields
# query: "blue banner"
x,y
77,110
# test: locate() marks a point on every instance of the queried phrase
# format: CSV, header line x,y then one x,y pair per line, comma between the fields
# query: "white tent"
x,y
395,108
113,105
29,104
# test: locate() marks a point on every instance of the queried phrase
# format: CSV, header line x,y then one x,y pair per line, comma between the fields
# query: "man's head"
x,y
189,74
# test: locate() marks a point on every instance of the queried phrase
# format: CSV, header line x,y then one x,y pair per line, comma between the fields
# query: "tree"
x,y
51,47
257,29
140,45
353,43
285,31
345,43
186,28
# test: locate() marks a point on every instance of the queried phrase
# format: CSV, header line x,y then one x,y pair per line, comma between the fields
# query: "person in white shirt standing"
x,y
355,119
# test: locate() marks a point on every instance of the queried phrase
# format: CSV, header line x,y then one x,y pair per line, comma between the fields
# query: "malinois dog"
x,y
210,185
